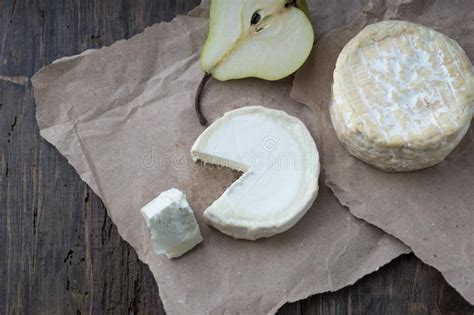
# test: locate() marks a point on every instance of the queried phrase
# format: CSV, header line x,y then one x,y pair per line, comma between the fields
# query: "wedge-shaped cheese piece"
x,y
280,162
403,96
173,227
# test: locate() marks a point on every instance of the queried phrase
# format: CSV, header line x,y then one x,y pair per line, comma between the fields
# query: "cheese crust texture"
x,y
280,162
403,96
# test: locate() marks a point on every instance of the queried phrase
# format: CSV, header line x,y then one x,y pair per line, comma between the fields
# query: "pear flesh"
x,y
255,38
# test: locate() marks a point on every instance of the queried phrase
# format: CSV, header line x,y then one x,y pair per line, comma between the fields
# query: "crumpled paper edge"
x,y
377,11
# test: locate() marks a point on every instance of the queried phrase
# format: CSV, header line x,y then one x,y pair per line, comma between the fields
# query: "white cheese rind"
x,y
173,227
403,96
280,162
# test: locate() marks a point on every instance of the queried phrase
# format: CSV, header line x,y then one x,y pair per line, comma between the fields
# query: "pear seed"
x,y
255,18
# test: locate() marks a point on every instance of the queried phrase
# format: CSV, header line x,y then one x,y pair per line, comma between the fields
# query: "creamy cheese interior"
x,y
173,227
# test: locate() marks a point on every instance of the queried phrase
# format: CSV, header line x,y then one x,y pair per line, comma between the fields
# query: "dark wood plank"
x,y
59,251
405,286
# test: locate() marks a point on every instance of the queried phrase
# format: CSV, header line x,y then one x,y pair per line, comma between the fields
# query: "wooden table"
x,y
59,251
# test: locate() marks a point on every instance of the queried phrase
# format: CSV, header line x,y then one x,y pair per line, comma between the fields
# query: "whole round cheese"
x,y
280,162
403,96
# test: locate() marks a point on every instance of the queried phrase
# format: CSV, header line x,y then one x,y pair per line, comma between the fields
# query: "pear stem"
x,y
197,100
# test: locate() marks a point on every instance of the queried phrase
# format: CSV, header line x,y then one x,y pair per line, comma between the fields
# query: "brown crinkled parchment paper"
x,y
123,117
432,210
325,14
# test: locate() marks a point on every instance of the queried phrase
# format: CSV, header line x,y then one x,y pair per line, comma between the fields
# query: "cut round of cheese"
x,y
280,162
403,96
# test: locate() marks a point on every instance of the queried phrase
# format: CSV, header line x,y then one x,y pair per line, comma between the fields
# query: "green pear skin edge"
x,y
249,35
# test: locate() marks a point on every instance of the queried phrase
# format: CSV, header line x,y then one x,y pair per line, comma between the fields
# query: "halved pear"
x,y
266,39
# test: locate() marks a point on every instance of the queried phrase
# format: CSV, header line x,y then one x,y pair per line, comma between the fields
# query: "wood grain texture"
x,y
59,251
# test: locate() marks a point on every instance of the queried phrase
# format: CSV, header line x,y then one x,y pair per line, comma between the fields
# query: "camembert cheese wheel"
x,y
280,162
403,96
